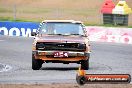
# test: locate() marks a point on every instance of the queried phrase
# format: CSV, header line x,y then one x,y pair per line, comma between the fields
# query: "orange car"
x,y
60,41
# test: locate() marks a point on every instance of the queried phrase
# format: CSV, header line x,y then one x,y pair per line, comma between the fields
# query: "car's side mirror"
x,y
33,33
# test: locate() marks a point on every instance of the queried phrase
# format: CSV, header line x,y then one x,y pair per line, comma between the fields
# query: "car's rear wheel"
x,y
85,64
36,63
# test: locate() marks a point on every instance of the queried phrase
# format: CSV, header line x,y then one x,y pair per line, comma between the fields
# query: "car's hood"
x,y
58,38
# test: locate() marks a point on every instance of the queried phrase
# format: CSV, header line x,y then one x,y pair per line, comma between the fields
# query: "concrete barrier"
x,y
95,33
110,34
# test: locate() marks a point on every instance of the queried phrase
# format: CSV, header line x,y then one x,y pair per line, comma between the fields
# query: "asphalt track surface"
x,y
15,62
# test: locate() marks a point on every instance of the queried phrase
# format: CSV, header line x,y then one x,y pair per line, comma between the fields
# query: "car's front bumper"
x,y
70,53
72,56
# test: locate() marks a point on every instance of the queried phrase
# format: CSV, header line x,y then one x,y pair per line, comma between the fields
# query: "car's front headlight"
x,y
82,46
40,45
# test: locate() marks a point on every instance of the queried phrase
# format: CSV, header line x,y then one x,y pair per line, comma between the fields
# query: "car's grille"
x,y
60,46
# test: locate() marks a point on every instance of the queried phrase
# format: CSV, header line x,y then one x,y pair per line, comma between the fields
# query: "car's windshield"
x,y
56,28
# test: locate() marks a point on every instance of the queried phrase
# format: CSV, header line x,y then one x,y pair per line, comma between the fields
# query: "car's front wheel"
x,y
36,63
85,64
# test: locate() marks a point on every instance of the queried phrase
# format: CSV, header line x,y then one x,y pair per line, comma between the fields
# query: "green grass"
x,y
4,10
30,20
87,11
17,19
107,25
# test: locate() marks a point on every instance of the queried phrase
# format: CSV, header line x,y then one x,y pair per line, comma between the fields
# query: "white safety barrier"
x,y
110,34
95,33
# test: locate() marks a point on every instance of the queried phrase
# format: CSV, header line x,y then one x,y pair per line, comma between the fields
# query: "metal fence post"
x,y
14,11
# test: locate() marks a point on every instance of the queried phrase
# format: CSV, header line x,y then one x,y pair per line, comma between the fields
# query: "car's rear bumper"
x,y
72,56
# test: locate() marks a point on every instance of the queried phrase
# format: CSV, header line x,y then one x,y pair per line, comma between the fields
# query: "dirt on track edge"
x,y
55,85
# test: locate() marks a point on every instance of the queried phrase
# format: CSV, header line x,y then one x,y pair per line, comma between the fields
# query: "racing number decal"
x,y
60,54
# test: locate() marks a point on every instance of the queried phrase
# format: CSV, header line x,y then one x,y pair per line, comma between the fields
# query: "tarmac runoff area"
x,y
15,63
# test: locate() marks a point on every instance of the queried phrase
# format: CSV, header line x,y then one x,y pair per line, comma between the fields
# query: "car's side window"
x,y
42,29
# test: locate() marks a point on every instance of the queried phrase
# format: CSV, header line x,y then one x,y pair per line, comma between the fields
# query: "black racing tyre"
x,y
129,79
36,63
81,80
85,64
